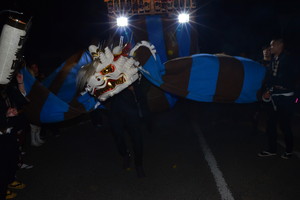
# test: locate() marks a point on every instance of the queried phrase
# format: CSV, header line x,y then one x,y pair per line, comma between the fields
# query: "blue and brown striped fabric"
x,y
171,40
205,77
200,77
56,98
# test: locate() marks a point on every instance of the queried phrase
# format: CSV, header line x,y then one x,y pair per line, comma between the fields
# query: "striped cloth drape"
x,y
176,72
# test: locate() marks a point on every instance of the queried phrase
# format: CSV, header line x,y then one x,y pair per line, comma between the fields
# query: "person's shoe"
x,y
99,125
25,166
286,155
140,171
16,185
35,143
127,161
10,194
266,154
38,138
40,141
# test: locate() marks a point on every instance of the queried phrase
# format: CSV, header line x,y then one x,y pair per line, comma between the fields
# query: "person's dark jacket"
x,y
10,96
284,79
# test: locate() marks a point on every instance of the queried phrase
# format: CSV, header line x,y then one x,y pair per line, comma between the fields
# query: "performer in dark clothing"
x,y
126,112
280,92
11,122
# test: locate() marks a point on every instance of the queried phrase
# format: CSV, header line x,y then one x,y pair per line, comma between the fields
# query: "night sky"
x,y
61,27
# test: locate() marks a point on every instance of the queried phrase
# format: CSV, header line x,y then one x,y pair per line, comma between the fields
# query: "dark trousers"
x,y
96,117
122,123
282,116
9,157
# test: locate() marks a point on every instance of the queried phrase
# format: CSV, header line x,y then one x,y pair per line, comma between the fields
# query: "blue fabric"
x,y
88,101
53,110
183,36
172,100
56,106
202,84
253,78
153,70
203,77
49,79
68,89
155,35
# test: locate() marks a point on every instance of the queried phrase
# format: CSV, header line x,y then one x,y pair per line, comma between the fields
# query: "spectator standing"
x,y
279,92
12,122
35,130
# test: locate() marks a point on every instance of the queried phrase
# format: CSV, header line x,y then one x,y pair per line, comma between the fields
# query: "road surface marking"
x,y
212,163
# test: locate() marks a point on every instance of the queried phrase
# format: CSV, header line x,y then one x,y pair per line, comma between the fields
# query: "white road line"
x,y
212,163
296,153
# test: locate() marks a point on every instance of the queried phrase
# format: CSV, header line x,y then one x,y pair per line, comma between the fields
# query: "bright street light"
x,y
122,21
183,18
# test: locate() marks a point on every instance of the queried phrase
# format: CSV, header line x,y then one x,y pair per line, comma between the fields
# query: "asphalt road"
x,y
195,151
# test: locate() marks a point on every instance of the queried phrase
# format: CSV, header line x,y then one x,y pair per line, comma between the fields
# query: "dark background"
x,y
235,27
245,26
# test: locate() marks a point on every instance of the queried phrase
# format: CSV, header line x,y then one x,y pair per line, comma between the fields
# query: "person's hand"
x,y
19,78
266,96
11,112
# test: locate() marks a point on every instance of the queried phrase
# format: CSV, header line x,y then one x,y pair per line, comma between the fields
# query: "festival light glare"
x,y
183,18
122,21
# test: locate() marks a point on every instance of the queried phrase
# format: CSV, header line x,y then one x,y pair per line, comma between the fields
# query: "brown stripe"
x,y
169,30
157,101
140,29
75,108
63,73
37,96
142,54
230,79
176,79
141,33
74,111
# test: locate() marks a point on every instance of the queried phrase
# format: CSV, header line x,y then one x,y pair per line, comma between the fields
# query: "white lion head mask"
x,y
113,73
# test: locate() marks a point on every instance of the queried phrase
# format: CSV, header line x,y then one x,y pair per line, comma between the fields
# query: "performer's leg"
x,y
119,137
9,156
118,132
137,142
272,131
285,124
34,129
4,168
